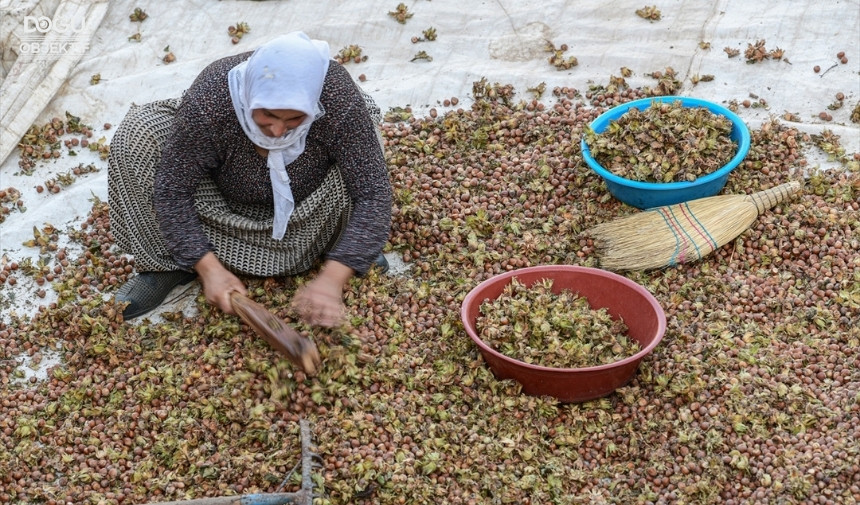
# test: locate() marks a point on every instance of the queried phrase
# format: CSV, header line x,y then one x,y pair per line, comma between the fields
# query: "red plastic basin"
x,y
622,298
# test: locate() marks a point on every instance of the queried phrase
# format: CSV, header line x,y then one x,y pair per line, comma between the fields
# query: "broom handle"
x,y
766,199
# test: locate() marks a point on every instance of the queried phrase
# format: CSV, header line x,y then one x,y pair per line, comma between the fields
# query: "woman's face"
x,y
277,122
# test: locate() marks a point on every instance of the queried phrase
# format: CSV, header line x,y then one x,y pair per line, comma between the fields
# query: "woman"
x,y
270,161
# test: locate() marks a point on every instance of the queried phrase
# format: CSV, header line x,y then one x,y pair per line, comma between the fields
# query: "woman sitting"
x,y
270,161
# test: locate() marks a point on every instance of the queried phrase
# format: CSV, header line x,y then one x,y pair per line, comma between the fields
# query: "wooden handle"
x,y
283,338
766,199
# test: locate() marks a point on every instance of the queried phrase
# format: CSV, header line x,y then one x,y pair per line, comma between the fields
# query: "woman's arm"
x,y
320,302
353,142
186,159
218,282
189,156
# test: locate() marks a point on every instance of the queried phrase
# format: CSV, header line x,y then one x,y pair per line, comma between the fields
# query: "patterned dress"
x,y
184,180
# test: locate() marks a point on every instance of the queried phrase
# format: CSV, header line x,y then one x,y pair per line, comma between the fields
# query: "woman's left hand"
x,y
320,302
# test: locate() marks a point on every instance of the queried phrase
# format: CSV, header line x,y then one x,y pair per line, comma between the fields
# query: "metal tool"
x,y
304,496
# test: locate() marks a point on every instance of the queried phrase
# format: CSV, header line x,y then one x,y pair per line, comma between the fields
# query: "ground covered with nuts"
x,y
752,396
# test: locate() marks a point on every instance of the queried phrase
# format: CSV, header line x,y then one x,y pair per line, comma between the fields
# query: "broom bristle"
x,y
680,233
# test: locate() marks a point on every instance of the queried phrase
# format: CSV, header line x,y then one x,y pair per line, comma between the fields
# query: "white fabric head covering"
x,y
285,73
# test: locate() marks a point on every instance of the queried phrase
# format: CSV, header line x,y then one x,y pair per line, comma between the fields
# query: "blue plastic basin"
x,y
645,195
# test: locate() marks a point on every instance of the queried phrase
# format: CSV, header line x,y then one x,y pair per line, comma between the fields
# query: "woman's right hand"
x,y
218,282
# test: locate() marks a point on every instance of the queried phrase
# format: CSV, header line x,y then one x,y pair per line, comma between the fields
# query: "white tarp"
x,y
503,41
43,51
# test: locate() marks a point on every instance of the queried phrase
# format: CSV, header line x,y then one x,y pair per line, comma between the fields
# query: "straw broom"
x,y
681,233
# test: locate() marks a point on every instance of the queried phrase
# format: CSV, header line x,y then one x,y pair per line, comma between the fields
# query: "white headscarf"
x,y
285,73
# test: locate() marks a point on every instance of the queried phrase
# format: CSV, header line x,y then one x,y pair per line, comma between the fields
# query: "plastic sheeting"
x,y
46,50
502,41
